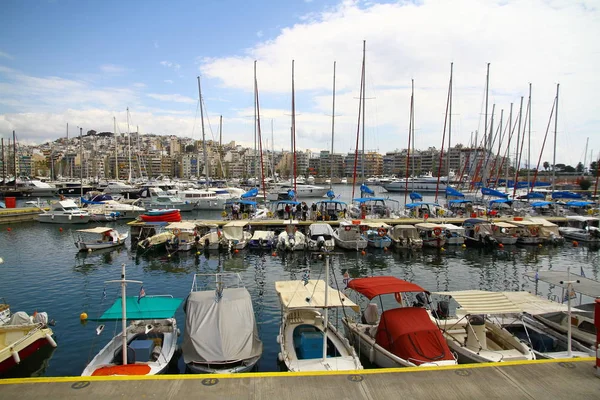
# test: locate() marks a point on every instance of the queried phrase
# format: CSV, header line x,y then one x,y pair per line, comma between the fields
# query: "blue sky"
x,y
85,62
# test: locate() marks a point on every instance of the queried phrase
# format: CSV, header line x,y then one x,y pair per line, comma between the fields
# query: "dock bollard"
x,y
597,323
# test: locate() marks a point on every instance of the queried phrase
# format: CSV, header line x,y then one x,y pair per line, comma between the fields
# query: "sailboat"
x,y
147,345
307,340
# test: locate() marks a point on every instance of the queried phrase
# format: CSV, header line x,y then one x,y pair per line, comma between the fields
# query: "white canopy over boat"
x,y
98,229
234,230
182,225
483,302
295,294
534,305
583,285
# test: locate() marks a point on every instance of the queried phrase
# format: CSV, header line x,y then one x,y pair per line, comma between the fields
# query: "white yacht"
x,y
423,183
204,199
65,212
117,187
303,190
38,188
581,228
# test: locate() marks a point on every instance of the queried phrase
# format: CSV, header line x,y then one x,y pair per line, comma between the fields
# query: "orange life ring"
x,y
437,231
176,232
381,232
398,297
364,228
534,230
347,228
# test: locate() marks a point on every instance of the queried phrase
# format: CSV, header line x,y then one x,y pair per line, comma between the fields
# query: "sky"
x,y
83,63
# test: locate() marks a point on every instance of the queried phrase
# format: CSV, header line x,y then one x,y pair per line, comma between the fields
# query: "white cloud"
x,y
259,34
177,98
547,42
113,69
170,64
168,81
6,55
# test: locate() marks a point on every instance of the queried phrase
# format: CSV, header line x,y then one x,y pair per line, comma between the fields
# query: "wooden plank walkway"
x,y
543,380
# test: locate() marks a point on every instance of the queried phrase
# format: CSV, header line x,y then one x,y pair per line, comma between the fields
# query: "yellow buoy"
x,y
442,249
540,245
464,246
83,316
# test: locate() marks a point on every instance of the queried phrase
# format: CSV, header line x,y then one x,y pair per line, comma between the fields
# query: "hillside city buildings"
x,y
105,156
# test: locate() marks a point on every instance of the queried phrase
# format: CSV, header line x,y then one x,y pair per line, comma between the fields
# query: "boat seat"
x,y
371,314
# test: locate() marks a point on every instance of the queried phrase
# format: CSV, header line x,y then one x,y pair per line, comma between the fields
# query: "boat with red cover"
x,y
161,215
401,337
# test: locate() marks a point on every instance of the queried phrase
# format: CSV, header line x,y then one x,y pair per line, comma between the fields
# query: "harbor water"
x,y
42,271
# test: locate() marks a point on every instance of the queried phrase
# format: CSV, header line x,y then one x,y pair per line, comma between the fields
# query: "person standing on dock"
x,y
304,211
313,211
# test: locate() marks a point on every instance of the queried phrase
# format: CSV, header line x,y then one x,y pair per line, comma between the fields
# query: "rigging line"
x,y
195,117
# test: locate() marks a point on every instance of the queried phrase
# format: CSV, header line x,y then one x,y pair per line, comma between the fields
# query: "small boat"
x,y
157,241
308,341
209,236
372,208
529,232
236,235
405,237
145,346
21,336
320,237
65,212
548,231
505,233
433,235
455,235
377,235
400,337
479,233
109,237
105,205
331,210
582,229
473,335
349,235
184,236
220,329
161,215
262,240
291,239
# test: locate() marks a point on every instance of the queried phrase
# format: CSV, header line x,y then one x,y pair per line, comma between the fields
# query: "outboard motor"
x,y
442,311
320,242
421,300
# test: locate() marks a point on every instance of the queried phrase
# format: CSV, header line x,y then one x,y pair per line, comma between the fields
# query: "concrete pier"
x,y
543,380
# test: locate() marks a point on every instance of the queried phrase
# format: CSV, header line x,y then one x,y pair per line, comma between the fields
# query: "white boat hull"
x,y
64,219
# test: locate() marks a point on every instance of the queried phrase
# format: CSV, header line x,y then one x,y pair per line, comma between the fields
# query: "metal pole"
x,y
332,131
529,144
203,134
555,130
362,159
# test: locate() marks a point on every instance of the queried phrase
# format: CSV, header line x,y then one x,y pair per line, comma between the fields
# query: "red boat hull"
x,y
170,217
23,354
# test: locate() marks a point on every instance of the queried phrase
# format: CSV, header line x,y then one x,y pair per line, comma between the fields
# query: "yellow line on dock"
x,y
374,371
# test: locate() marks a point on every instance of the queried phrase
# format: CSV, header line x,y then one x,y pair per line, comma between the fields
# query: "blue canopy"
x,y
491,192
566,195
365,189
331,202
250,193
540,203
293,202
368,199
473,221
450,191
330,194
535,195
579,203
420,203
415,196
145,308
459,201
499,201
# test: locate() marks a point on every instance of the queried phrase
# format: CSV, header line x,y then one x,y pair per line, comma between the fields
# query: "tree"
x,y
568,168
190,148
91,133
579,167
594,168
585,184
559,167
546,165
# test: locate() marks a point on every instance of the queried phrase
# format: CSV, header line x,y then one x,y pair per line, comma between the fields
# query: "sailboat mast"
x,y
409,139
485,137
15,156
555,131
129,145
255,121
333,131
362,159
272,151
529,143
262,170
294,127
510,133
203,133
3,164
81,158
116,148
449,129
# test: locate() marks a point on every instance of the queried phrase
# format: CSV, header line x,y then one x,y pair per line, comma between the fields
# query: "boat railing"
x,y
221,280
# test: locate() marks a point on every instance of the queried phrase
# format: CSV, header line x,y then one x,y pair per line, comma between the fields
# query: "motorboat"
x,y
161,215
528,232
37,188
308,341
145,346
421,183
403,336
377,235
302,190
155,197
405,237
549,231
433,235
330,210
455,235
221,335
184,236
117,187
245,209
505,233
204,199
372,208
291,239
286,209
22,336
545,341
472,334
582,229
105,204
349,236
262,240
209,236
422,209
236,235
479,233
156,242
65,212
108,238
320,237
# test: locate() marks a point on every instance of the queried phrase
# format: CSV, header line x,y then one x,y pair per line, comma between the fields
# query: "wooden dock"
x,y
543,380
